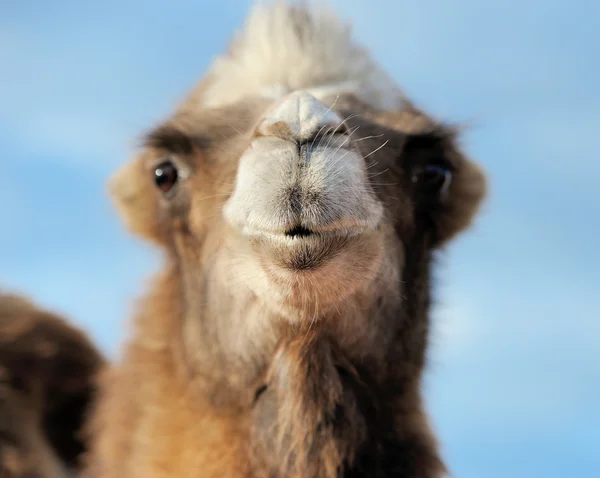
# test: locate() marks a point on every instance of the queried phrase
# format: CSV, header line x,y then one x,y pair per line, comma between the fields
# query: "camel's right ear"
x,y
136,199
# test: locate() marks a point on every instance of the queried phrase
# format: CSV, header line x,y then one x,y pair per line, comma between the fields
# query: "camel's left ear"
x,y
427,142
466,194
53,367
455,186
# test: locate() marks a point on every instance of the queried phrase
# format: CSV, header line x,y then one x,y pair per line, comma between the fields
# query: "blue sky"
x,y
514,382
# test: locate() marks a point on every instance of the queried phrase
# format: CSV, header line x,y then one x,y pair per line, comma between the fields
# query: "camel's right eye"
x,y
165,176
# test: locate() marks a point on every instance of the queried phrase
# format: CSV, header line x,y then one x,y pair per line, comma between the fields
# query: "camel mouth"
x,y
300,248
302,234
299,231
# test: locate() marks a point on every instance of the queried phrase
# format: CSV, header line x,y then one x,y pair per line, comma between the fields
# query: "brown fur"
x,y
47,370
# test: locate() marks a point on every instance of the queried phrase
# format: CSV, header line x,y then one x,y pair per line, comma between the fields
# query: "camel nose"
x,y
298,117
301,175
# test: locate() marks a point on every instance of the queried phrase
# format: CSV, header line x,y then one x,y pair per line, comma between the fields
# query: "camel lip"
x,y
303,234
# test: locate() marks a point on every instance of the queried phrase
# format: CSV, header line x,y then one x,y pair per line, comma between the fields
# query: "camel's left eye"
x,y
165,176
433,178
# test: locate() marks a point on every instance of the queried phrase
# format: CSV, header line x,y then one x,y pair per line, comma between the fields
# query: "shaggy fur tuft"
x,y
284,48
47,373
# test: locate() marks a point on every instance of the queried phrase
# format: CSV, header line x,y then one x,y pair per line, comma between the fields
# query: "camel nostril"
x,y
298,231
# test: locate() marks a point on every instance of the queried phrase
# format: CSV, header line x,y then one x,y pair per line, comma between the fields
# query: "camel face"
x,y
302,201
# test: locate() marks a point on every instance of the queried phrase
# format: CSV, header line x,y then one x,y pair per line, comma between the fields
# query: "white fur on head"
x,y
285,48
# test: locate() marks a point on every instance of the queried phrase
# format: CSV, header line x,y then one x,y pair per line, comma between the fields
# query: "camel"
x,y
298,198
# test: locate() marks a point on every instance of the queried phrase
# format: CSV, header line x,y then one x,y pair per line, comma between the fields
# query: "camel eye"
x,y
165,176
433,179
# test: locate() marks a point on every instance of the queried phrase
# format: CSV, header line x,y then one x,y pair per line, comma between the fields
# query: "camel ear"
x,y
432,141
136,199
453,210
466,194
